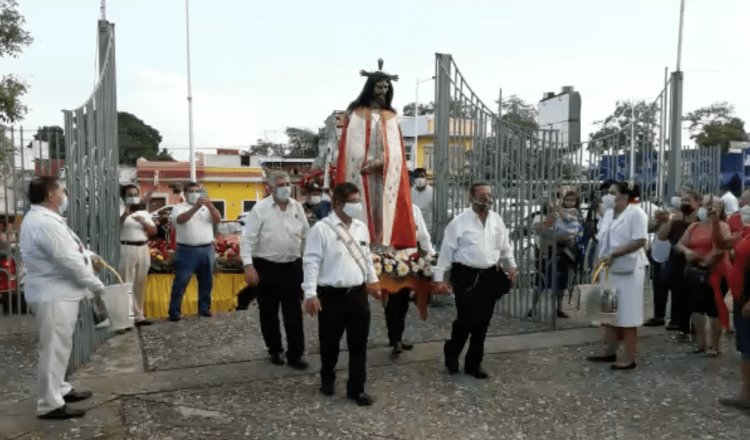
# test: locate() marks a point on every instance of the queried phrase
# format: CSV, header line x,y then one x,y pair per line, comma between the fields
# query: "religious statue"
x,y
371,155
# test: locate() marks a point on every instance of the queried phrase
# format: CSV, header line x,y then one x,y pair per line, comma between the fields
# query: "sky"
x,y
259,66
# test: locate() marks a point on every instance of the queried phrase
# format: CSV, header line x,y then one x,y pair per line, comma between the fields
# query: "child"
x,y
568,228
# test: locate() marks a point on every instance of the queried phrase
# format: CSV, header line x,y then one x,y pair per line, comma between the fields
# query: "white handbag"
x,y
598,300
118,299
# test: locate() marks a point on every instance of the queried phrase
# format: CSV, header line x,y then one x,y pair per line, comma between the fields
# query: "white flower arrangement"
x,y
403,264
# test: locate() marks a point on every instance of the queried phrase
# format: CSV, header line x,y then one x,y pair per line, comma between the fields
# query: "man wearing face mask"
x,y
58,275
476,248
421,195
136,226
271,250
338,276
194,223
735,220
320,208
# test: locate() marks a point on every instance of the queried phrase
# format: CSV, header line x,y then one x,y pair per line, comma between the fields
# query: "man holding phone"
x,y
194,223
136,227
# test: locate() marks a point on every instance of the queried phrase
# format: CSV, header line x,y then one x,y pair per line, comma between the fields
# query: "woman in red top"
x,y
708,264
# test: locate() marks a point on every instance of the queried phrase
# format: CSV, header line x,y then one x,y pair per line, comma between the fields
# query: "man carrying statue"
x,y
371,156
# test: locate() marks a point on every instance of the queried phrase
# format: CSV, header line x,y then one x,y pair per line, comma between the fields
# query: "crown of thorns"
x,y
379,74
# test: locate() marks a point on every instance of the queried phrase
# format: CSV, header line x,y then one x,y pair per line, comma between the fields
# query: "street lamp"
x,y
416,115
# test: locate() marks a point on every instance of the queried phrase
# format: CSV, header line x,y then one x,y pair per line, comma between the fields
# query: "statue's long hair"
x,y
368,94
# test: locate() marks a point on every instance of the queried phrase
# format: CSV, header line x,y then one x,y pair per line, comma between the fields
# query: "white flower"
x,y
376,258
427,271
415,267
402,269
388,268
402,255
378,268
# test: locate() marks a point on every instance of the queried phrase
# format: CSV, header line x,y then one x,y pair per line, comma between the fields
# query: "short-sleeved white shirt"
x,y
197,231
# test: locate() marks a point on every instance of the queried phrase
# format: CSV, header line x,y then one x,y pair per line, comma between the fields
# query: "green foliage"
x,y
138,139
716,125
303,143
267,148
424,109
13,39
615,129
54,136
519,112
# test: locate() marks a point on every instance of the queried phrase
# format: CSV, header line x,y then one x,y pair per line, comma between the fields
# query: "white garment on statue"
x,y
273,234
630,225
423,234
55,322
471,243
731,204
54,256
198,231
327,261
131,230
423,199
134,264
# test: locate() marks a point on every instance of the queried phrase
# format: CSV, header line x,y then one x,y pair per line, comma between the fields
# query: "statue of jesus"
x,y
371,155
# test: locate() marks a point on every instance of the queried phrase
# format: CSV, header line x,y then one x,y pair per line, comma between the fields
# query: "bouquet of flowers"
x,y
162,258
228,256
401,264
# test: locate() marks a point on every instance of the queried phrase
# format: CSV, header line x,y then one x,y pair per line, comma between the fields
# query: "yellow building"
x,y
423,156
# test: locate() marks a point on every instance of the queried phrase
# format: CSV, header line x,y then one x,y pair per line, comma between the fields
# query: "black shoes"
x,y
631,366
174,318
605,358
62,413
654,322
297,364
362,399
276,359
673,326
451,362
143,322
327,389
76,396
478,373
205,314
562,315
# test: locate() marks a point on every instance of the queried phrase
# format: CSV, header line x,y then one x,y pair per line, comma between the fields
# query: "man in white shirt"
x,y
731,204
194,223
338,276
421,195
136,226
476,248
397,304
58,276
271,250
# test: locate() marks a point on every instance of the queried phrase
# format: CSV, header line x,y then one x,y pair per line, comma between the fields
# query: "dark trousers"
x,y
344,310
189,260
476,292
395,314
681,303
660,283
281,285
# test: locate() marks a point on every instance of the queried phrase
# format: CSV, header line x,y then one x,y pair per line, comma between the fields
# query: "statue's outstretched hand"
x,y
371,166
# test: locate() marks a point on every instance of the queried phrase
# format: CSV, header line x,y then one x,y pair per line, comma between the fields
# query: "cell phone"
x,y
137,207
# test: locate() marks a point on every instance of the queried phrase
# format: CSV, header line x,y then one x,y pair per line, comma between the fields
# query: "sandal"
x,y
698,350
711,352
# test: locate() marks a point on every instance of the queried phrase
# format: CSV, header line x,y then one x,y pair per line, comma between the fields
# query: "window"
x,y
428,153
219,204
247,205
410,151
155,203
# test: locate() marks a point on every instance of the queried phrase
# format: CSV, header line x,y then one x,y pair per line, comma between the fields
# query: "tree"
x,y
716,125
615,128
458,109
54,136
267,148
518,112
424,109
138,139
13,39
302,142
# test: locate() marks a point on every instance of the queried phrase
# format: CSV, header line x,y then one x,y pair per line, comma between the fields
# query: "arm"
x,y
250,236
664,231
722,236
124,214
215,214
184,216
58,243
506,250
629,248
311,262
148,225
423,235
445,259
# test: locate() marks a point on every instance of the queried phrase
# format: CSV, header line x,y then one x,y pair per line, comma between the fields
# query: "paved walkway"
x,y
209,379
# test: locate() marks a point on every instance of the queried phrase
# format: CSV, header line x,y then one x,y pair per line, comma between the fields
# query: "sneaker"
x,y
654,322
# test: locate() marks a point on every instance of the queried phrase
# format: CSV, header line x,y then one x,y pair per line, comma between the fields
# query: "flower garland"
x,y
401,264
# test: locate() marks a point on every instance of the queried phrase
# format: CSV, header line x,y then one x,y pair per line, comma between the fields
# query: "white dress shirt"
x,y
327,261
57,267
731,204
131,230
198,231
273,234
423,234
471,243
423,199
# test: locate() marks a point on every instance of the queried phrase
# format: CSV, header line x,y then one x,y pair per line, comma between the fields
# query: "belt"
x,y
195,245
342,290
465,267
134,243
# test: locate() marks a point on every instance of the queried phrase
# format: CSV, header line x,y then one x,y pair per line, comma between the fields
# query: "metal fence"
x,y
531,168
84,155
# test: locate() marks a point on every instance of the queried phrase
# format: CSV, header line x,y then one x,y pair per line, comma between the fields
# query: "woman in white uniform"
x,y
623,234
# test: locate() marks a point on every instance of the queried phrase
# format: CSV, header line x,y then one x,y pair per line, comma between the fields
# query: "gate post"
x,y
442,132
675,134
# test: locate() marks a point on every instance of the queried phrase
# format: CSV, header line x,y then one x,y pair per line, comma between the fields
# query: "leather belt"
x,y
134,243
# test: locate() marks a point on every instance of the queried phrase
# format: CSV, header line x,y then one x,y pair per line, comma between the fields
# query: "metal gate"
x,y
530,168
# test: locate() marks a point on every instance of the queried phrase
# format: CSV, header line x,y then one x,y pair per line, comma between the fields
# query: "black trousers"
x,y
395,314
660,283
476,292
281,285
342,310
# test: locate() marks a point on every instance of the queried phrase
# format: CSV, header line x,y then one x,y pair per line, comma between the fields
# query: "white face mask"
x,y
315,200
353,210
133,200
192,198
64,204
745,215
702,213
283,193
420,182
608,202
676,202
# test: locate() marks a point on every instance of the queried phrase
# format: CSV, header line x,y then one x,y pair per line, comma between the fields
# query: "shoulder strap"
x,y
346,237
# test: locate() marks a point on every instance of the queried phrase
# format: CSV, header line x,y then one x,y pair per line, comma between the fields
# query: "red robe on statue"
x,y
375,134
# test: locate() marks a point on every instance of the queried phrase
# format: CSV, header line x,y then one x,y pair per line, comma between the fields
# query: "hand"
x,y
746,310
441,287
312,306
606,260
203,201
512,274
371,166
373,289
662,217
97,263
148,194
251,275
690,256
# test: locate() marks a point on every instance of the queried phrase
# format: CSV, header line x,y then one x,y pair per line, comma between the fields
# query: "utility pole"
x,y
675,115
190,95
